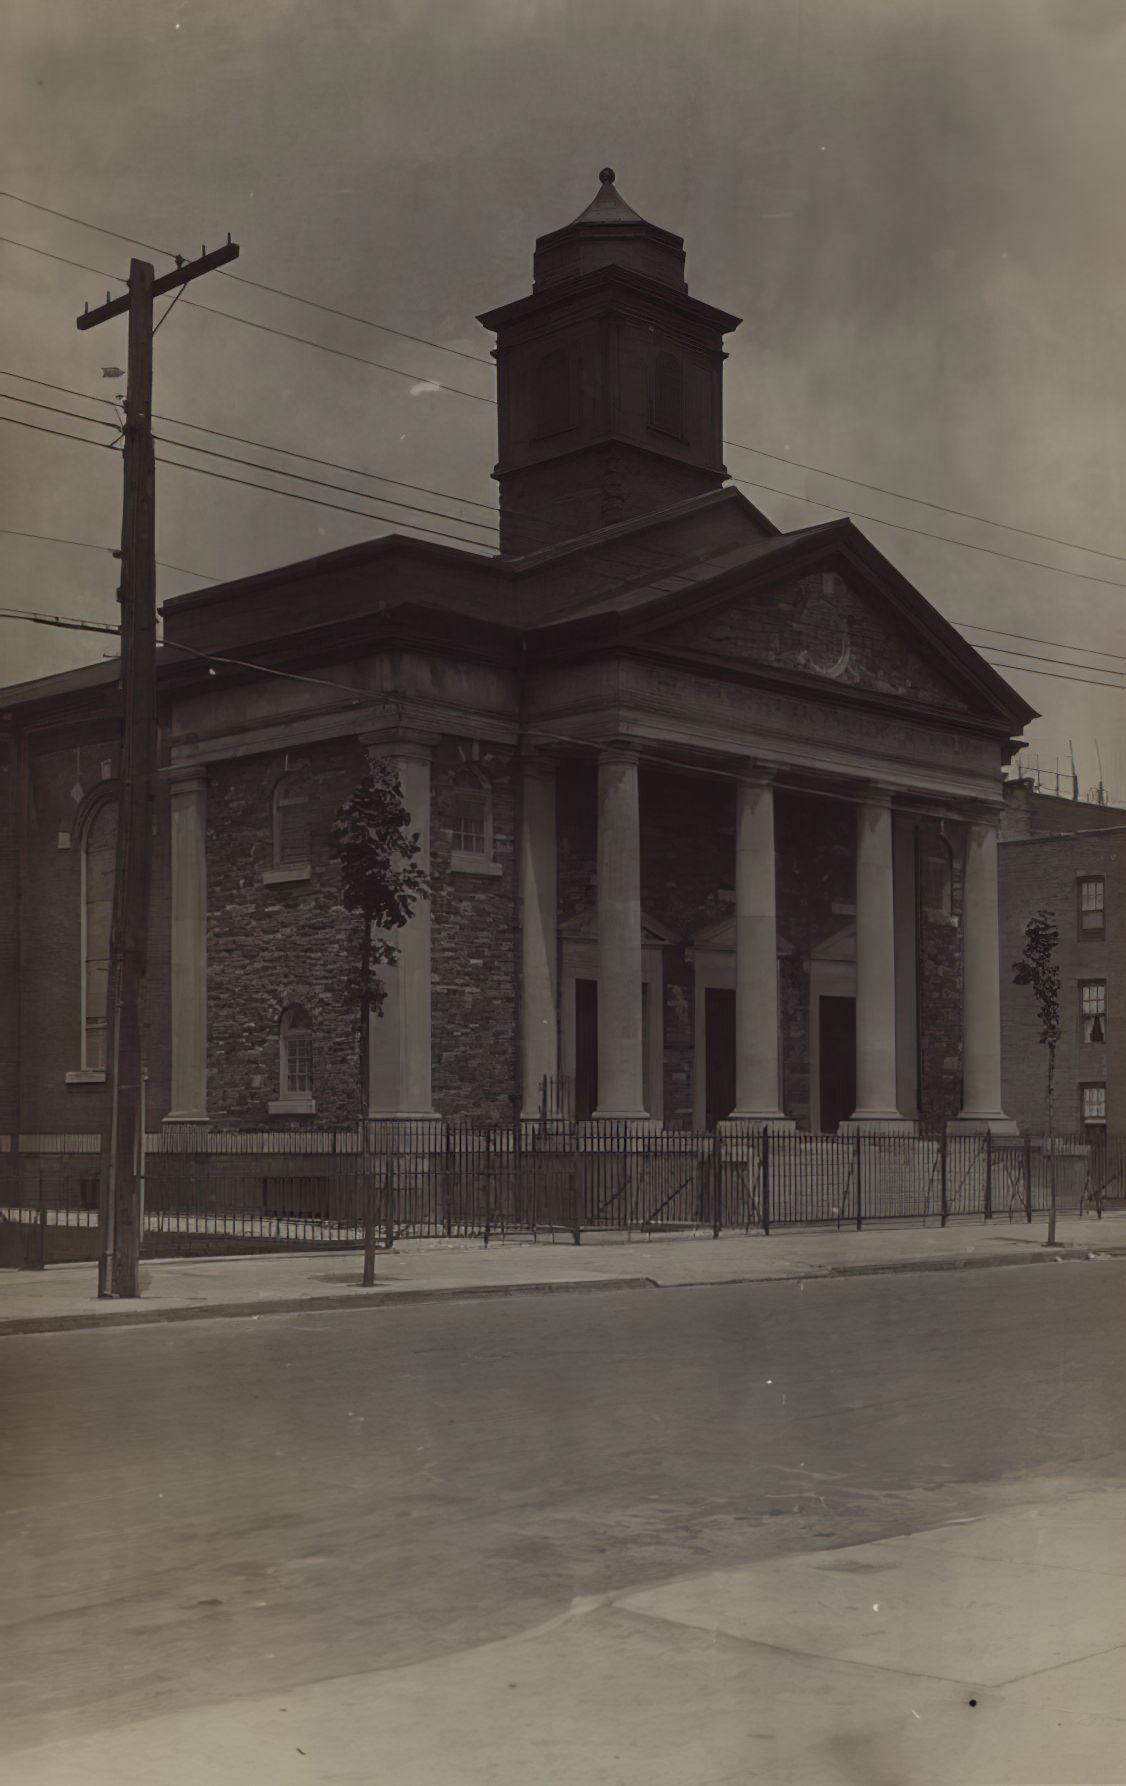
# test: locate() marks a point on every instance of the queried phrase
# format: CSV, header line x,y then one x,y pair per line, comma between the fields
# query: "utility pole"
x,y
125,1066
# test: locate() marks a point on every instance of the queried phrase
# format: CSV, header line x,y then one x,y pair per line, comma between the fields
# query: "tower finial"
x,y
607,176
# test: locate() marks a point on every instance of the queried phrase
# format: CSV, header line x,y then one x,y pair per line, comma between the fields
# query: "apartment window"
x,y
1092,1010
99,849
292,807
1093,1103
1092,906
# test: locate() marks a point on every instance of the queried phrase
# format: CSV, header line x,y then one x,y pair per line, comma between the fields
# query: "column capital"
x,y
752,774
619,751
875,793
536,761
184,778
983,814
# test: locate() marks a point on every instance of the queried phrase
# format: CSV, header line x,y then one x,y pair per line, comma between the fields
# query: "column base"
x,y
196,1117
632,1119
740,1121
984,1122
878,1122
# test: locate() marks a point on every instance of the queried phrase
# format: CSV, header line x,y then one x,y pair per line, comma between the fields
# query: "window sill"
x,y
292,1106
276,877
461,862
87,1076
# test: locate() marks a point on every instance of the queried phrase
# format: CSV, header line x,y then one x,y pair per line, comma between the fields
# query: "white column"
x,y
620,1044
906,965
875,966
981,988
757,1075
188,968
399,1038
539,1019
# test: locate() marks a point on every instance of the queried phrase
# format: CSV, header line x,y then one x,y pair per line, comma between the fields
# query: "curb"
x,y
382,1297
377,1298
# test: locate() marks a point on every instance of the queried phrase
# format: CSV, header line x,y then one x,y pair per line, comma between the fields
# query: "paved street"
x,y
194,1515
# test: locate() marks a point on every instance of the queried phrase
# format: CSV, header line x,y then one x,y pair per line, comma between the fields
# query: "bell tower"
x,y
609,381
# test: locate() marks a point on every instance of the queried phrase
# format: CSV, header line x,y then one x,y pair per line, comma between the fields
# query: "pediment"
x,y
823,625
583,927
720,937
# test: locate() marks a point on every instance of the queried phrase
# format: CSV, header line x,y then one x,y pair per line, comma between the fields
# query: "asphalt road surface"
x,y
193,1513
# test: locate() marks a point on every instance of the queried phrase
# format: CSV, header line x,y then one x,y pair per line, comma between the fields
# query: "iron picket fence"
x,y
223,1190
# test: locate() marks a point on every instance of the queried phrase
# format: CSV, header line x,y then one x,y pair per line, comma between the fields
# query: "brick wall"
x,y
1044,872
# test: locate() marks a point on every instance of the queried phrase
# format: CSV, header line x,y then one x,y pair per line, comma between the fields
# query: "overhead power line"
x,y
944,539
55,539
418,378
468,543
421,340
1050,539
241,279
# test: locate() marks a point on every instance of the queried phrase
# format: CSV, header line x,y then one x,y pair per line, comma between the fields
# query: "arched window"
x,y
554,404
471,815
99,849
296,1069
666,396
291,820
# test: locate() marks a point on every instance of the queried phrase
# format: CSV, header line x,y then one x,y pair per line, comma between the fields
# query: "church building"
x,y
710,810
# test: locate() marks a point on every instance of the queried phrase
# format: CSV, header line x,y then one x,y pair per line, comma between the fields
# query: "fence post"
x,y
859,1179
576,1207
367,1194
988,1176
1028,1178
389,1205
717,1187
943,1193
488,1178
41,1263
765,1181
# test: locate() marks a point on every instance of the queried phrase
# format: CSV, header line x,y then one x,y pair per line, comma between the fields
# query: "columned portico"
x,y
875,966
981,988
188,800
539,1002
621,1094
757,1072
399,1040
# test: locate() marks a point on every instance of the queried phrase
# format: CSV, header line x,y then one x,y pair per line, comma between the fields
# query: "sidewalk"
x,y
64,1296
986,1652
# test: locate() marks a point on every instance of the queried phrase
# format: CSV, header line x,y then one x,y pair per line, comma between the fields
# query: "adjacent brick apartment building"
x,y
711,810
1068,858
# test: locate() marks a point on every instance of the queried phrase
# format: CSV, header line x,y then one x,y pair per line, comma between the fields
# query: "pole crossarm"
x,y
180,275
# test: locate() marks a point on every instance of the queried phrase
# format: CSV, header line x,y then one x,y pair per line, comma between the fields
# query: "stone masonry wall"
x,y
270,946
474,949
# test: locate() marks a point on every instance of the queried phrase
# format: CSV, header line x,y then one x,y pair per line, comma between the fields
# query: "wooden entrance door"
x,y
719,1053
837,1061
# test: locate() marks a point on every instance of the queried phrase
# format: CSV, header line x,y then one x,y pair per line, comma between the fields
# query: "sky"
x,y
915,205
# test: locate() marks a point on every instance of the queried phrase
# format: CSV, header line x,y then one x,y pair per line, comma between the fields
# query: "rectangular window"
x,y
299,1065
1092,909
1094,1103
468,832
292,833
1092,1010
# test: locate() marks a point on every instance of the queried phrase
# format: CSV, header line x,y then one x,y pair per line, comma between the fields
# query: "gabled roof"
x,y
636,615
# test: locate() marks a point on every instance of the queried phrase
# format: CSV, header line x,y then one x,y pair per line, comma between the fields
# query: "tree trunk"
x,y
367,1187
1051,1145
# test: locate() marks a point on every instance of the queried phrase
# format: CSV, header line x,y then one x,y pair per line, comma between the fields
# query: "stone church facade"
x,y
710,810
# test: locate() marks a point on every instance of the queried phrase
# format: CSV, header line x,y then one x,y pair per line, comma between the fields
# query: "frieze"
x,y
809,721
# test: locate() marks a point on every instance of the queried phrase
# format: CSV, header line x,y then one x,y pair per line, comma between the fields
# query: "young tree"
x,y
1037,968
380,881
